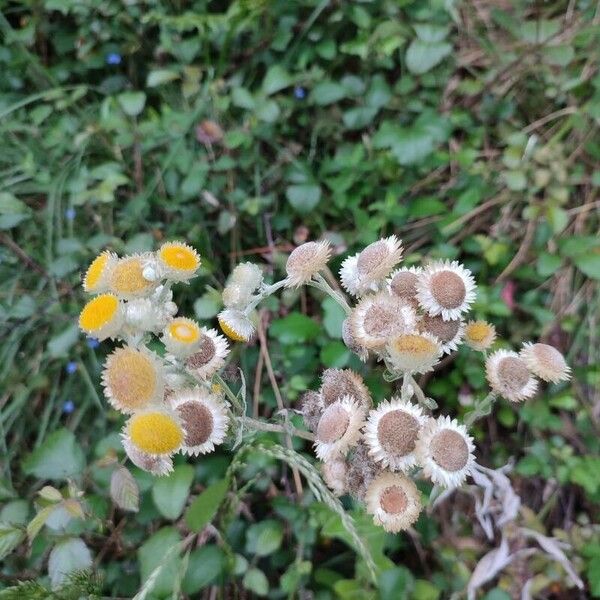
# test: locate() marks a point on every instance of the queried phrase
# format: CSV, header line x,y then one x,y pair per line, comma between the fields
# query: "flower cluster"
x,y
407,318
169,398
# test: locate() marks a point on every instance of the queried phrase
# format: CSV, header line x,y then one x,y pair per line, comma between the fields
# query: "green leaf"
x,y
425,591
423,56
60,344
256,581
160,77
548,264
132,103
264,538
203,509
589,264
327,92
360,117
276,79
59,457
10,538
268,111
333,318
303,197
68,556
160,551
294,328
124,490
395,584
171,493
335,355
205,565
242,98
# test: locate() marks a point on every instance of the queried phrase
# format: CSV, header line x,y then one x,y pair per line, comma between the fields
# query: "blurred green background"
x,y
469,129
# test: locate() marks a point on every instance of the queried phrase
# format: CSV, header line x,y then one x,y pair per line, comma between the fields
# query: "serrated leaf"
x,y
202,510
10,538
124,490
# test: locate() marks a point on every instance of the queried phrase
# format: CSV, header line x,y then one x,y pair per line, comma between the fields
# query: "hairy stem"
x,y
320,283
258,425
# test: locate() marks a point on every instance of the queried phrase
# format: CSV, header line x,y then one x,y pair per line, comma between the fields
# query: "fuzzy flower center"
x,y
206,352
155,433
513,373
98,312
478,331
230,332
197,422
404,285
397,432
448,289
337,384
128,277
449,450
442,330
393,500
549,357
179,256
333,424
372,257
302,258
184,332
131,377
414,344
95,271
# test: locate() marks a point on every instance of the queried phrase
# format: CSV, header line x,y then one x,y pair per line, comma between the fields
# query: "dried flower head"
x,y
546,362
379,317
97,276
133,276
210,354
155,431
181,337
101,317
445,451
339,428
365,270
394,502
508,375
414,352
178,261
335,472
305,261
157,464
248,275
143,314
362,469
236,325
337,383
403,283
351,341
449,333
311,407
446,288
204,419
391,433
480,335
132,379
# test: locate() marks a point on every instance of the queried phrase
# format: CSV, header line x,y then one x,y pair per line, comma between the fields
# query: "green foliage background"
x,y
468,129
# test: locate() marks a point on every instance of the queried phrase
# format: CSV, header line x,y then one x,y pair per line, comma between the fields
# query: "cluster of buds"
x,y
169,397
407,319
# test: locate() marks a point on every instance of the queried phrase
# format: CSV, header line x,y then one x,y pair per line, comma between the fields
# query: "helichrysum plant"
x,y
406,318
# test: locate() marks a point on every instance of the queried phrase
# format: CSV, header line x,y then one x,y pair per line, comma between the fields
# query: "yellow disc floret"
x,y
184,330
179,260
155,432
96,275
127,278
101,316
480,335
132,379
414,344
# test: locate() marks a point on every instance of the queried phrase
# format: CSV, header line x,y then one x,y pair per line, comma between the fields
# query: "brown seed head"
x,y
397,432
513,373
393,500
333,424
197,422
448,289
443,330
449,450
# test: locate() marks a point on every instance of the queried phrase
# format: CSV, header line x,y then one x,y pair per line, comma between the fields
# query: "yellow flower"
x,y
156,431
101,317
127,279
96,277
182,336
179,261
236,325
132,379
480,335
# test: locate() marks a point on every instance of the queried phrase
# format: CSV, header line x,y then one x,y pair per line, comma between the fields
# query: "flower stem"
x,y
482,409
320,283
257,425
230,395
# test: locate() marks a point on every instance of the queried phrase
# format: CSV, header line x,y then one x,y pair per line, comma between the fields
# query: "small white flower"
x,y
210,355
394,501
376,261
508,374
204,419
349,275
339,428
479,335
414,352
445,451
446,288
181,337
305,261
403,283
546,362
391,433
449,333
236,325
